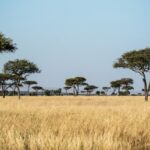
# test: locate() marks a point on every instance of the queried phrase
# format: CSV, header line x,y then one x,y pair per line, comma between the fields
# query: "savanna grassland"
x,y
74,123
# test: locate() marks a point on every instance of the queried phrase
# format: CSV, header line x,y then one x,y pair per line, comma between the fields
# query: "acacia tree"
x,y
37,88
67,88
57,92
75,83
139,62
80,81
127,85
116,85
122,84
98,93
29,84
126,81
6,44
3,82
106,89
71,82
20,69
90,88
13,84
102,92
127,89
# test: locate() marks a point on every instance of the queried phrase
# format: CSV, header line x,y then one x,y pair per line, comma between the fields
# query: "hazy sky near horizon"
x,y
68,38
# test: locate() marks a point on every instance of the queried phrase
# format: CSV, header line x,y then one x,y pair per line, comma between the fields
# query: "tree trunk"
x,y
77,90
28,90
66,92
146,90
14,91
118,90
18,92
4,94
87,93
146,96
74,91
3,90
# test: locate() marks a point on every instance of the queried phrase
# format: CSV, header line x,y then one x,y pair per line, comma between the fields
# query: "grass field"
x,y
74,123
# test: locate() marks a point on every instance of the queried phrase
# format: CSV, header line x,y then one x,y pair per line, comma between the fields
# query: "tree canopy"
x,y
6,44
137,61
20,67
106,89
37,88
124,84
90,88
75,83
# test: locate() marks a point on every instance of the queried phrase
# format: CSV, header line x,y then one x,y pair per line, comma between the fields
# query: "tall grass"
x,y
74,123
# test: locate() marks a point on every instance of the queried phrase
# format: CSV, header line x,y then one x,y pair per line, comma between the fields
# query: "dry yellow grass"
x,y
74,123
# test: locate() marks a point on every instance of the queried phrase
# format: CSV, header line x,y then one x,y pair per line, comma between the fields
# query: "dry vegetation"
x,y
74,123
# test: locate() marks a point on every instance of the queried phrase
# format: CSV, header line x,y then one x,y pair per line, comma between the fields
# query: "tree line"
x,y
16,72
118,87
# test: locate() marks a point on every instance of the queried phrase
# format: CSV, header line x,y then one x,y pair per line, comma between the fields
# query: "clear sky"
x,y
68,38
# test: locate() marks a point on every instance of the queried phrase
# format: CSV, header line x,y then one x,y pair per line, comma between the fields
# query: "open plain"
x,y
75,123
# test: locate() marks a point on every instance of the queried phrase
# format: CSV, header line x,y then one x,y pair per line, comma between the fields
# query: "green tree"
x,y
127,89
37,88
75,83
3,82
139,62
67,88
127,85
122,84
47,92
57,92
20,69
29,84
127,81
102,92
6,44
98,93
90,88
116,85
106,89
12,85
72,83
80,81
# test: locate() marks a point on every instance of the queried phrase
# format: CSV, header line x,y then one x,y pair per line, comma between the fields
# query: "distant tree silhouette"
x,y
102,93
116,85
98,93
127,85
67,88
90,88
106,89
37,88
57,92
3,82
47,92
75,83
124,84
29,84
127,89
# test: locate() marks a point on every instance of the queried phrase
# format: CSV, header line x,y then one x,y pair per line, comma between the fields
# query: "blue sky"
x,y
67,38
